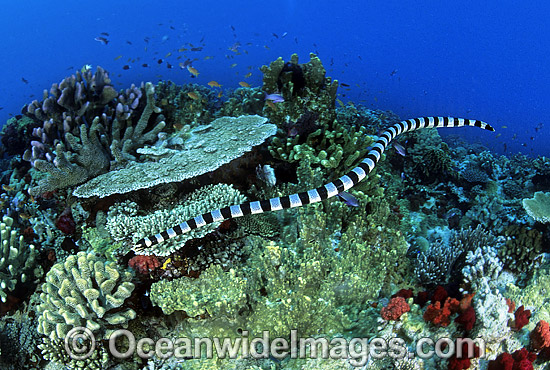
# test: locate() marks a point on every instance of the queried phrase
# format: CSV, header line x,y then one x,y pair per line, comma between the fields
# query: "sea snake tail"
x,y
327,191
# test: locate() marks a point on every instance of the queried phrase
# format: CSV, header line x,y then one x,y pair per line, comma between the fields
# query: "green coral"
x,y
17,260
534,295
336,150
521,248
538,207
215,293
123,221
86,291
317,95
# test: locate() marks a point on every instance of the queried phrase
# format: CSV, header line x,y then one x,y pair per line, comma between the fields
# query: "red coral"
x,y
440,294
540,336
467,318
519,360
421,298
393,311
144,264
65,222
438,315
463,362
521,318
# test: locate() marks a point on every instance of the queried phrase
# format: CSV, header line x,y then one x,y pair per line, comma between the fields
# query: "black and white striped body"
x,y
327,191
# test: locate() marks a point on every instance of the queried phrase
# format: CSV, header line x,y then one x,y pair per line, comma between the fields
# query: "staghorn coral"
x,y
208,148
17,260
123,221
84,291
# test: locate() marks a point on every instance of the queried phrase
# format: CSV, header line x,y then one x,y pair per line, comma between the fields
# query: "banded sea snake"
x,y
327,191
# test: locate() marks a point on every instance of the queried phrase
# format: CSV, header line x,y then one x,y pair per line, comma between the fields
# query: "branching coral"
x,y
84,291
17,259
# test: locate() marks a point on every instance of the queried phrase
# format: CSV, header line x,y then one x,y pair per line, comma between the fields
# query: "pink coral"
x,y
397,307
540,336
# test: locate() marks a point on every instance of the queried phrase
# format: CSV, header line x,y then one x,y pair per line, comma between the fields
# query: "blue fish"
x,y
275,98
349,199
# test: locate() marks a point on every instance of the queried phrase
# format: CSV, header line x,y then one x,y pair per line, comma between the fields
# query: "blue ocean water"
x,y
485,60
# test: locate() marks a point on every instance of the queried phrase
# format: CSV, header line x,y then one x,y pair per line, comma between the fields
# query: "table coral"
x,y
538,207
84,290
209,147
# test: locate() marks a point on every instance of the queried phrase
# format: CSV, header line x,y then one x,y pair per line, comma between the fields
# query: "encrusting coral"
x,y
84,291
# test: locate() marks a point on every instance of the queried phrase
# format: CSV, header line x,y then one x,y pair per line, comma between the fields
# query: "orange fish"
x,y
7,188
271,104
248,75
193,95
214,84
220,94
244,84
193,71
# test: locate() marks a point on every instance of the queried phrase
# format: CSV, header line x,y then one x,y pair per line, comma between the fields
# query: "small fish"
x,y
193,95
192,70
129,42
340,102
208,57
7,188
117,58
267,47
145,65
198,48
271,105
244,84
214,84
168,54
275,35
220,94
24,216
349,199
284,35
400,149
182,49
160,61
104,34
393,72
24,80
233,65
166,263
248,75
343,84
102,39
275,98
126,67
168,65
